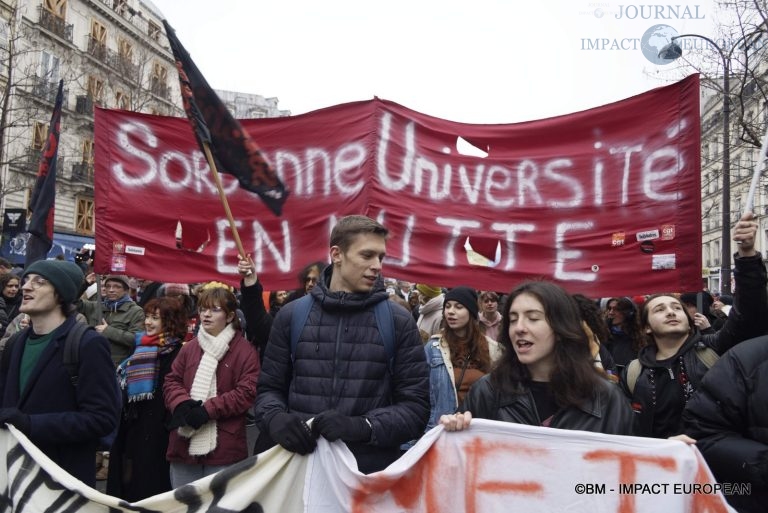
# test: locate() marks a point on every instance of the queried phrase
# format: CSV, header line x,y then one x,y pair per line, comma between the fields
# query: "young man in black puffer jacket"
x,y
340,372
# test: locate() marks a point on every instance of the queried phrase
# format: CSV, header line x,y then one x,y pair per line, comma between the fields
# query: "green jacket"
x,y
124,323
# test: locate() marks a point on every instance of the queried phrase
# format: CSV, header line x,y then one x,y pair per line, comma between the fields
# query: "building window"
x,y
39,135
56,7
87,151
96,89
49,68
122,100
84,218
97,42
153,30
159,81
125,50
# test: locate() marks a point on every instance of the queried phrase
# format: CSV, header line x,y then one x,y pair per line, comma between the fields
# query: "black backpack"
x,y
71,358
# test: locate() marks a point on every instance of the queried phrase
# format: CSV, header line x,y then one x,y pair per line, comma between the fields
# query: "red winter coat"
x,y
236,377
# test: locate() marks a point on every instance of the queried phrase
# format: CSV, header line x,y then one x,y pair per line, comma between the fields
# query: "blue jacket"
x,y
442,383
66,422
341,363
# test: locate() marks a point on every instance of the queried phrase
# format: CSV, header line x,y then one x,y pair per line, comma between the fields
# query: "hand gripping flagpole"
x,y
759,168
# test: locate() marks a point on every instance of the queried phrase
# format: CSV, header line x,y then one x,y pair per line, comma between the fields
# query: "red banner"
x,y
605,201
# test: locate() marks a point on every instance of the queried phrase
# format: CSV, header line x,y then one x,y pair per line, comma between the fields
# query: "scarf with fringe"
x,y
203,441
139,373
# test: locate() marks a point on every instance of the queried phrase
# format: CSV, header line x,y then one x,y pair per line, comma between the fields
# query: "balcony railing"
x,y
54,24
160,89
82,171
45,89
97,49
125,66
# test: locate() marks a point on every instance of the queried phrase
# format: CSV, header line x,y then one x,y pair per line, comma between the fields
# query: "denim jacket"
x,y
442,388
442,385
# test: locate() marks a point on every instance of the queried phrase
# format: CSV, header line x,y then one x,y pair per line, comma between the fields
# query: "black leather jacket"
x,y
607,412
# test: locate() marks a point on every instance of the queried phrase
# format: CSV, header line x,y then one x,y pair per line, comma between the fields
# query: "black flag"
x,y
41,205
233,150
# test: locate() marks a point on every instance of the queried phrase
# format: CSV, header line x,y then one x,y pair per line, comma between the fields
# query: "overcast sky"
x,y
479,61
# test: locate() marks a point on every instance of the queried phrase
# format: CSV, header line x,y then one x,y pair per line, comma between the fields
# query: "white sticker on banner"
x,y
661,262
134,250
647,235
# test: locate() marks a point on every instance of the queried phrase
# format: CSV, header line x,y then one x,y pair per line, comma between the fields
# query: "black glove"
x,y
292,433
196,417
16,417
180,413
334,426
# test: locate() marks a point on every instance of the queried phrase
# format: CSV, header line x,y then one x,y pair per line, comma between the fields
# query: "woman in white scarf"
x,y
211,386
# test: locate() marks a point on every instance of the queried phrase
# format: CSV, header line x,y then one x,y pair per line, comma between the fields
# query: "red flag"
x,y
41,205
233,150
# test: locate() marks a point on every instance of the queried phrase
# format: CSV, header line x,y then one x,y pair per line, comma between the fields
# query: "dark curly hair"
x,y
172,315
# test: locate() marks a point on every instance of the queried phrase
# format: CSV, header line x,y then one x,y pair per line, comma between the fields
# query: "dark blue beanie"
x,y
66,277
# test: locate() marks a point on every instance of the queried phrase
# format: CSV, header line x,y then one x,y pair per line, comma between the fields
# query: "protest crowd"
x,y
169,376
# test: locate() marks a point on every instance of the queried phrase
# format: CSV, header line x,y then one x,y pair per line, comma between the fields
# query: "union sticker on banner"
x,y
647,235
617,239
134,250
661,262
118,263
667,231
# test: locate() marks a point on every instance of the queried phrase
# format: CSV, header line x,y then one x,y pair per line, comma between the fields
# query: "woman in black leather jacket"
x,y
546,376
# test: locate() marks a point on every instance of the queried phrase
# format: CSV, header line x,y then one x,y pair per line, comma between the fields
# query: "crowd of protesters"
x,y
195,364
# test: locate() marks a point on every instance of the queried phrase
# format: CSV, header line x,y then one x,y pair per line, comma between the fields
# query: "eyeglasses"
x,y
213,309
310,279
35,282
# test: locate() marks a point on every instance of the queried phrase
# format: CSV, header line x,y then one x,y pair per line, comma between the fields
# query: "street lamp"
x,y
673,51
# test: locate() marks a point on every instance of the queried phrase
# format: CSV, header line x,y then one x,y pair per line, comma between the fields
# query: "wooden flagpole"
x,y
223,198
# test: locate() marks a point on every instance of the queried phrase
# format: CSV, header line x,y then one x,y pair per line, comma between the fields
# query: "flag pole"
x,y
223,198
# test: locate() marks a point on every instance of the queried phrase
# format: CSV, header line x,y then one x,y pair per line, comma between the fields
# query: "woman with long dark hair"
x,y
10,299
625,338
546,375
459,356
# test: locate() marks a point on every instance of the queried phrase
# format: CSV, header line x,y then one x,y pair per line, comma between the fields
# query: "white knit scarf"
x,y
203,441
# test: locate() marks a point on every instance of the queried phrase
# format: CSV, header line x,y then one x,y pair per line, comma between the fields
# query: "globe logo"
x,y
654,39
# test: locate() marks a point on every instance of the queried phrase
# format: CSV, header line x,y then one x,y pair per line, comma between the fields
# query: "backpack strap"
x,y
633,372
299,317
71,357
386,323
707,356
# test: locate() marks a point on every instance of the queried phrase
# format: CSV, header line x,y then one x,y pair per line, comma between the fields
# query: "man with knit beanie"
x,y
117,316
64,418
431,310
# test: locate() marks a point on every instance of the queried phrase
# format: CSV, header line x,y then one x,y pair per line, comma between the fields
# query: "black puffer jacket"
x,y
341,363
729,419
664,386
607,412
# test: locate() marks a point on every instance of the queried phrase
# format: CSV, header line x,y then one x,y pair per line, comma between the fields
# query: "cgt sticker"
x,y
667,231
647,235
617,239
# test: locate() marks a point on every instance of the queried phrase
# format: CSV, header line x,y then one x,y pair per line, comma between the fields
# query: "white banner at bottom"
x,y
492,467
